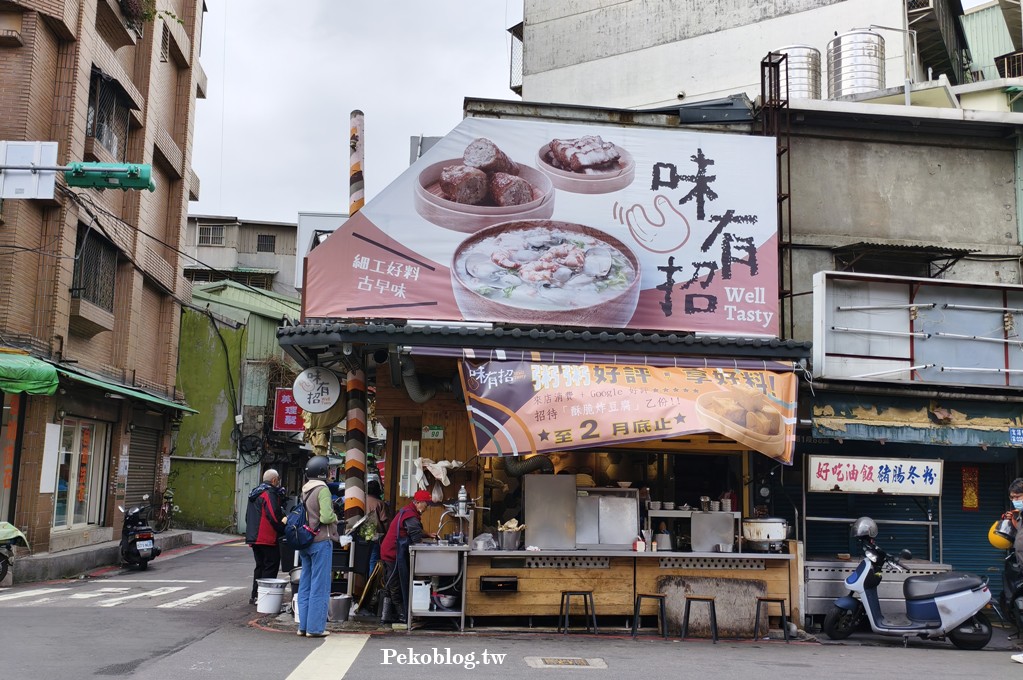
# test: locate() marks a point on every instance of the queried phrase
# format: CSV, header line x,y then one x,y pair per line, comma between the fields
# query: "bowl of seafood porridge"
x,y
545,272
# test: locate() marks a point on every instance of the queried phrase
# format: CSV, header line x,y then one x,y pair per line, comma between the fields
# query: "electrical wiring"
x,y
227,275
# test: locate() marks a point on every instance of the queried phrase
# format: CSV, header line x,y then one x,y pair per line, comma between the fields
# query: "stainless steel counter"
x,y
629,553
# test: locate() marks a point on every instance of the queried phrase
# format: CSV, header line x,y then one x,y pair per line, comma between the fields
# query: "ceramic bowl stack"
x,y
653,505
668,505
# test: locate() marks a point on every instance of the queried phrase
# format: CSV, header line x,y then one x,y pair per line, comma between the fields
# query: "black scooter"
x,y
137,546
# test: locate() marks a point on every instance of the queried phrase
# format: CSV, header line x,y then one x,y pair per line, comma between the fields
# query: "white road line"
x,y
198,598
332,659
150,593
148,580
98,593
30,593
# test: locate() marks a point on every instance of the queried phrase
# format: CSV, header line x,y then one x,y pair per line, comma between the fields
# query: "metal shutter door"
x,y
142,453
965,532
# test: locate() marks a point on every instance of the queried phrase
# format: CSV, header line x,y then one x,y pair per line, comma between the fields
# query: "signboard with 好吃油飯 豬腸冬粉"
x,y
911,476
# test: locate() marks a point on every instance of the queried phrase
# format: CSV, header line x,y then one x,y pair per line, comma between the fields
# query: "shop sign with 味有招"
x,y
525,407
565,225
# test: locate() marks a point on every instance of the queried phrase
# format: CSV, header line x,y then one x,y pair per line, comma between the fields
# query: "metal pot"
x,y
765,529
1006,530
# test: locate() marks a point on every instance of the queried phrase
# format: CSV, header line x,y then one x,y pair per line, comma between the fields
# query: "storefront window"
x,y
78,498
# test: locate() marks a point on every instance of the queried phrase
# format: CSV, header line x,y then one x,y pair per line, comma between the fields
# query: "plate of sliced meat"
x,y
482,188
586,165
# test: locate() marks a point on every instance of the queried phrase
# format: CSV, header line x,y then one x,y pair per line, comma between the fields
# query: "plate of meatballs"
x,y
482,188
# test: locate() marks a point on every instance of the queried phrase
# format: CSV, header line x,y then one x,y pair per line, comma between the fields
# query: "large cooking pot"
x,y
765,529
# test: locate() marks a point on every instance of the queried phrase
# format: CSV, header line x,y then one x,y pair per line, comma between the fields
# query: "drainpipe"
x,y
1019,188
516,467
420,389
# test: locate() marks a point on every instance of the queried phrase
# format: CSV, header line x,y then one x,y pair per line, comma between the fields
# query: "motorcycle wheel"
x,y
973,633
840,623
143,565
4,564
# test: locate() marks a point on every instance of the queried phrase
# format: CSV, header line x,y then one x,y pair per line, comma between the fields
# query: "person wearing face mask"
x,y
1016,515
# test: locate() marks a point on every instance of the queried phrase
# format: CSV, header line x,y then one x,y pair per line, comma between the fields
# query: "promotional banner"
x,y
538,223
522,407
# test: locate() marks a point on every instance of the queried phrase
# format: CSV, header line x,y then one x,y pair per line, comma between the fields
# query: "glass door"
x,y
80,464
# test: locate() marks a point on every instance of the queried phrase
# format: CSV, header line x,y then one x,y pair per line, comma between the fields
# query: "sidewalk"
x,y
46,566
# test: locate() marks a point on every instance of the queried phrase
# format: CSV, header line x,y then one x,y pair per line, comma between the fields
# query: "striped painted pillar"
x,y
355,445
356,184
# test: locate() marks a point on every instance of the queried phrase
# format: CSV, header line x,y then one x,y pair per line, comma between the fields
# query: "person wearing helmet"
x,y
317,557
1014,515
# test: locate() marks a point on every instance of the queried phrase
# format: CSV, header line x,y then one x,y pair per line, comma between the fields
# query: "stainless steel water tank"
x,y
804,68
855,63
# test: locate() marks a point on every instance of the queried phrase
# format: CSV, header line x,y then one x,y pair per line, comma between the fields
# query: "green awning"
x,y
25,373
126,391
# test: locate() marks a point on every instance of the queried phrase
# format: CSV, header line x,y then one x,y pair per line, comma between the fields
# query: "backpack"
x,y
297,533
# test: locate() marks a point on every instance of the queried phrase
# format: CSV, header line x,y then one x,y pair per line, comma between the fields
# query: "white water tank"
x,y
804,71
855,63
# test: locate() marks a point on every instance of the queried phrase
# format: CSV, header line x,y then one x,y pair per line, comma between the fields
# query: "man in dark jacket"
x,y
264,523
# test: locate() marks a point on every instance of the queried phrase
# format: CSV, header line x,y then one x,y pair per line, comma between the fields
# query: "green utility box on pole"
x,y
110,176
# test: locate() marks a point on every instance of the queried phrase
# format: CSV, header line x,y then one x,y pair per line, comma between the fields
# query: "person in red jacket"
x,y
264,523
405,528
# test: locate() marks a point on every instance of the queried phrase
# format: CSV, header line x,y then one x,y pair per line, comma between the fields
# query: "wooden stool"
x,y
662,620
590,612
713,615
767,602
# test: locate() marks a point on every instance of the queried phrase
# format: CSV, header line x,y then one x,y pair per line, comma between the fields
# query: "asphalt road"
x,y
188,617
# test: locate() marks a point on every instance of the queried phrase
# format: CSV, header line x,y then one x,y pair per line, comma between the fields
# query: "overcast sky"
x,y
271,137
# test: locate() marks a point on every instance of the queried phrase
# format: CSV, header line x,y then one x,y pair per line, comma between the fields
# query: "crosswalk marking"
x,y
331,659
98,593
198,598
151,593
149,580
30,593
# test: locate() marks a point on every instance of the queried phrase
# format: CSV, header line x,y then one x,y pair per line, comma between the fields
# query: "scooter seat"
x,y
933,585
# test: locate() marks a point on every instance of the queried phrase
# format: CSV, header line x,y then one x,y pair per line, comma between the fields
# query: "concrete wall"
x,y
632,55
206,364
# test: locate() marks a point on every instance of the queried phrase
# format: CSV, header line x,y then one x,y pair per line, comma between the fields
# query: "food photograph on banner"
x,y
567,225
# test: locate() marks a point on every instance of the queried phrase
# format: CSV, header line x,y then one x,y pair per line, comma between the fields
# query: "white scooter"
x,y
938,606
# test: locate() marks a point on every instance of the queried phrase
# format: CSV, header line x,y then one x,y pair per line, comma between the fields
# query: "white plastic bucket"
x,y
270,595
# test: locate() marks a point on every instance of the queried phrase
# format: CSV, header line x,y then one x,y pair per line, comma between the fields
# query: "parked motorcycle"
x,y
10,536
137,546
937,606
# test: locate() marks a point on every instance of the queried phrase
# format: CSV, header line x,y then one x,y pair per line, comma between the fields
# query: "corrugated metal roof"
x,y
938,251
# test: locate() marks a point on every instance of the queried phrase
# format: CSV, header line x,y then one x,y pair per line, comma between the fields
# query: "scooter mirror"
x,y
870,555
121,508
906,554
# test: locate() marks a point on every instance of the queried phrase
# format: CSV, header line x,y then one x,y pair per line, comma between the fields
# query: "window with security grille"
x,y
265,243
165,44
107,118
95,269
211,234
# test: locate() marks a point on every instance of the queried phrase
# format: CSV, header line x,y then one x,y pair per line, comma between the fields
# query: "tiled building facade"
x,y
90,281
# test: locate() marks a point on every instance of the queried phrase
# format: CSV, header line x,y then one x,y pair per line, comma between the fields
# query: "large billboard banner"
x,y
553,224
524,407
